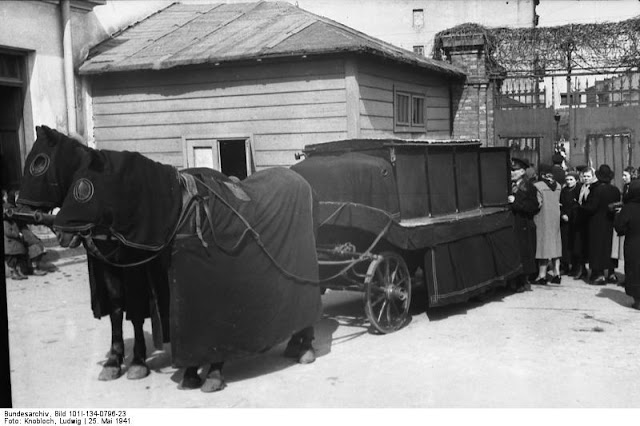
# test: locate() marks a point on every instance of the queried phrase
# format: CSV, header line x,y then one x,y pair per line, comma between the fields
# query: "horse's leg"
x,y
191,379
300,346
215,380
112,368
138,368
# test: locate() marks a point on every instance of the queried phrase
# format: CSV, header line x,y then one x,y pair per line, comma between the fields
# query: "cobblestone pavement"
x,y
568,345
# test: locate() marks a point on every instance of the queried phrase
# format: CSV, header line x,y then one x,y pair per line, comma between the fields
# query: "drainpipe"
x,y
67,54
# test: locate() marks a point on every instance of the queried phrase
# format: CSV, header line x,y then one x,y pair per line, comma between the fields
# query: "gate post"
x,y
473,104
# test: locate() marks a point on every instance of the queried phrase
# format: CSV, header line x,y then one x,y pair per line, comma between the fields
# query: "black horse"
x,y
207,259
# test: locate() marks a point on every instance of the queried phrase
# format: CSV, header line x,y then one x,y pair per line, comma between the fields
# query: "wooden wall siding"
x,y
281,106
376,107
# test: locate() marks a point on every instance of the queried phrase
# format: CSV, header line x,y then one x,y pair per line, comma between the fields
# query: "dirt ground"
x,y
568,345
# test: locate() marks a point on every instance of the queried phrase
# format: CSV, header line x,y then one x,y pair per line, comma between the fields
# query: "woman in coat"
x,y
600,225
617,246
523,202
548,241
587,177
627,223
568,222
630,173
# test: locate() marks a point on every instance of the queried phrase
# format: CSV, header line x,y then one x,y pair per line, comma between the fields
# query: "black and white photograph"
x,y
319,204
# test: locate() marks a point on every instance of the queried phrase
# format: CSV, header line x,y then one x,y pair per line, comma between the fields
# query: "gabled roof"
x,y
189,34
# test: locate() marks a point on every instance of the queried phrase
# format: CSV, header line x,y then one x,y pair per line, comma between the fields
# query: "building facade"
x,y
244,93
40,44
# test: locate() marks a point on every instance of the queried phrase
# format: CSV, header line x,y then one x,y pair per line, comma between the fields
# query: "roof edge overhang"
x,y
444,69
82,5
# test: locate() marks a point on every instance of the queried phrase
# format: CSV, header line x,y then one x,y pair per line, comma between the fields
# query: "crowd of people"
x,y
23,250
575,222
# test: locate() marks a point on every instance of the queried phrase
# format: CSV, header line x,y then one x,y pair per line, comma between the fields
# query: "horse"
x,y
223,269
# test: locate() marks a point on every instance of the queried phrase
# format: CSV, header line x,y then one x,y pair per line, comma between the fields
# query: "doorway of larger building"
x,y
12,82
10,119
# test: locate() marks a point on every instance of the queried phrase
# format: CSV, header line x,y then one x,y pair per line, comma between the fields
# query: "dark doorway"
x,y
11,106
233,158
10,118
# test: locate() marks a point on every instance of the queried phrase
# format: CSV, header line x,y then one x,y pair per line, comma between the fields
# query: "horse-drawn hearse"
x,y
226,268
388,207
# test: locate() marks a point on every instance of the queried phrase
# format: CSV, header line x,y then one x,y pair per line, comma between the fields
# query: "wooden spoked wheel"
x,y
387,292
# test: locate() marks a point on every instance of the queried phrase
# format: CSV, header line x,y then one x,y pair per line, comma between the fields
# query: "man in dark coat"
x,y
557,170
524,205
627,223
568,222
600,223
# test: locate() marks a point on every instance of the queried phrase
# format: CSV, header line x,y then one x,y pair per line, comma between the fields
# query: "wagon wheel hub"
x,y
394,292
388,292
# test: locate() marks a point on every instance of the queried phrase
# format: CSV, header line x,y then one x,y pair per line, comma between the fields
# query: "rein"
x,y
249,230
95,251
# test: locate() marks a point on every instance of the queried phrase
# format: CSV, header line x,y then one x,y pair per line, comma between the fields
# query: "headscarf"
x,y
546,175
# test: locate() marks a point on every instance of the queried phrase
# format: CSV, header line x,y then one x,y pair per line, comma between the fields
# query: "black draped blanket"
x,y
243,273
235,296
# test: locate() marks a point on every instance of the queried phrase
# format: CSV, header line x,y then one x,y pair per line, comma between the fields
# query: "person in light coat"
x,y
548,239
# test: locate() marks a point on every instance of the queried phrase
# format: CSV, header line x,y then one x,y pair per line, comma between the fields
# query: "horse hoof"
x,y
190,382
137,371
292,350
213,383
307,356
109,373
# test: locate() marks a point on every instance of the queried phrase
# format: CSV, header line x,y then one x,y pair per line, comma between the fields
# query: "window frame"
x,y
409,126
191,143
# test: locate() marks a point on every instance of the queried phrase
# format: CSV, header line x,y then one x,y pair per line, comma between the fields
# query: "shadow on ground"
x,y
617,295
493,295
238,369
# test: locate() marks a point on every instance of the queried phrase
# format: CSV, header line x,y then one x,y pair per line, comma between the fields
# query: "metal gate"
x,y
614,149
593,118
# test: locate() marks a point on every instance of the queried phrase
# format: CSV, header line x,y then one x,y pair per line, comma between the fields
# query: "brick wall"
x,y
473,102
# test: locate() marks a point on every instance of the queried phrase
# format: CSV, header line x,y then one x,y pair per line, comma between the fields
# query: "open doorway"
x,y
10,118
11,108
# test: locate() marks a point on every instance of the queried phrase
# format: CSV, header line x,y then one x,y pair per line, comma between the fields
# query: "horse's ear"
x,y
95,161
53,136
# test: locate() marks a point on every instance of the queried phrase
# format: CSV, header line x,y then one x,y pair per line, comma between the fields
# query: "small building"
x,y
37,56
243,87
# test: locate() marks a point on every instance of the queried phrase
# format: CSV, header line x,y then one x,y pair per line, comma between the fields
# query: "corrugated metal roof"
x,y
188,34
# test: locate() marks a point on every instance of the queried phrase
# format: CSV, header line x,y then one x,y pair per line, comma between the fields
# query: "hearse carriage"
x,y
390,207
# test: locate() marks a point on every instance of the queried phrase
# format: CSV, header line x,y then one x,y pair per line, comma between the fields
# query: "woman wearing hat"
x,y
548,241
568,223
523,202
627,223
600,224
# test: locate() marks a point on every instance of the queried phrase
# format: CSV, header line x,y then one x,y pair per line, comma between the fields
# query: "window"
x,y
410,113
417,118
10,68
230,155
418,18
402,109
418,50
